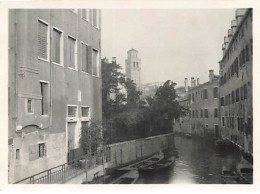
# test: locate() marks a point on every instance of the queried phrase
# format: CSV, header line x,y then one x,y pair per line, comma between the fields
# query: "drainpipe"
x,y
50,71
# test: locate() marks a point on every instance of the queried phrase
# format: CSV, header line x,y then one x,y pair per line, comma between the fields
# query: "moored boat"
x,y
229,176
127,178
163,164
245,172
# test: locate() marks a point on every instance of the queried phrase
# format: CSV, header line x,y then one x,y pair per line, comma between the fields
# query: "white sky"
x,y
172,43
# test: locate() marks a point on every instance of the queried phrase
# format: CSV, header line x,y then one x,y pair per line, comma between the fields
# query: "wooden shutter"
x,y
89,59
84,57
42,40
84,13
71,52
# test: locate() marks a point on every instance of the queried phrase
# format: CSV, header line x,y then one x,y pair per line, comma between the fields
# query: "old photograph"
x,y
130,96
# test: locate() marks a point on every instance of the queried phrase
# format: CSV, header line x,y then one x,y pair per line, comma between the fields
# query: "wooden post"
x,y
86,170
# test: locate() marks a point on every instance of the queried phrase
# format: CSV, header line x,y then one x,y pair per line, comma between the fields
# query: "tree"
x,y
112,79
164,106
133,95
92,141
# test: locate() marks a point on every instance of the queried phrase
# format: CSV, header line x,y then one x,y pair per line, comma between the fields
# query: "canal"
x,y
199,162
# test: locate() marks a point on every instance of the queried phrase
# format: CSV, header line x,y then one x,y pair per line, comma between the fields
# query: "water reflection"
x,y
198,162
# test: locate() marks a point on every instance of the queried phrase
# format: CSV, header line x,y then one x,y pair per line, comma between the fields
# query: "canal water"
x,y
199,162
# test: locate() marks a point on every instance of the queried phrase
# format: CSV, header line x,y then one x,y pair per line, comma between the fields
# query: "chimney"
x,y
211,75
233,26
113,60
186,84
230,34
198,81
192,82
239,14
106,60
226,42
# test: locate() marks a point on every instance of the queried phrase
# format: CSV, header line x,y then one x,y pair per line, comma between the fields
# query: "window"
x,y
42,40
17,154
197,114
42,150
205,94
237,95
233,96
215,92
247,53
57,53
95,62
242,93
249,126
215,112
229,99
84,13
251,45
206,126
72,111
238,124
222,101
95,18
193,99
245,91
223,122
85,58
226,100
193,115
44,100
206,113
85,111
72,52
29,106
201,113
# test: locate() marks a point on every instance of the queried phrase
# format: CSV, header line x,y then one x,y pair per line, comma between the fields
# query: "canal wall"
x,y
124,153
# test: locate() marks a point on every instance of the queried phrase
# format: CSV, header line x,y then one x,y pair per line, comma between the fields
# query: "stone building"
x,y
149,89
236,105
204,112
182,125
133,67
54,85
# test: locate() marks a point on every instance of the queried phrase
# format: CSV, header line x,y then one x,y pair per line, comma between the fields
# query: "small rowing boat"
x,y
158,166
127,178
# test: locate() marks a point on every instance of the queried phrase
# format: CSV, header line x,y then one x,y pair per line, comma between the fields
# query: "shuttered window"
x,y
71,52
29,106
95,62
42,40
84,58
84,14
56,50
45,100
206,113
94,17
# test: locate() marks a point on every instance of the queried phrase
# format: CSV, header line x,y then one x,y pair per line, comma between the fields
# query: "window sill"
x,y
86,20
96,76
73,69
58,64
46,60
85,72
85,119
